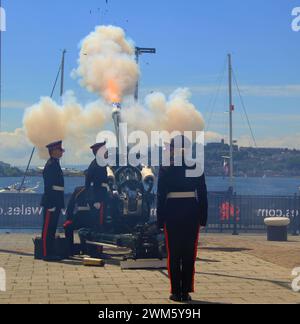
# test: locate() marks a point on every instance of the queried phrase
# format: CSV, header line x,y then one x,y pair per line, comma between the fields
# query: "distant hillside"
x,y
248,162
253,162
7,170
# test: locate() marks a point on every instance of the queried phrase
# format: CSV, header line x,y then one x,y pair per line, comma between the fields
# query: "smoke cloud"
x,y
175,113
107,65
48,122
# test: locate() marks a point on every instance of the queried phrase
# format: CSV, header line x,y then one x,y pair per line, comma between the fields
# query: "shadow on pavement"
x,y
17,253
282,284
207,260
224,249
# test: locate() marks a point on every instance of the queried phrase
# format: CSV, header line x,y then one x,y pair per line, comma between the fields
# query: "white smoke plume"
x,y
175,113
107,65
47,122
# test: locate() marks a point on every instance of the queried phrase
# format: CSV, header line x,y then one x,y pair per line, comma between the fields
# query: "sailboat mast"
x,y
231,109
62,73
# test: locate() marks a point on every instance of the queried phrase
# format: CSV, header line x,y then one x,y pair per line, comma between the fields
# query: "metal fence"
x,y
236,213
227,211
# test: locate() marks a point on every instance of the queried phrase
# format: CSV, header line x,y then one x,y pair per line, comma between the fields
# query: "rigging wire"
x,y
244,108
262,183
55,83
214,99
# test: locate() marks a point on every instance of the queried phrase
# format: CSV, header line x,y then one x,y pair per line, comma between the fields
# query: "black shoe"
x,y
175,298
53,258
186,298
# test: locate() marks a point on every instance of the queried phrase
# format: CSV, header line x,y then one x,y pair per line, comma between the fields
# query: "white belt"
x,y
180,195
83,208
57,188
105,185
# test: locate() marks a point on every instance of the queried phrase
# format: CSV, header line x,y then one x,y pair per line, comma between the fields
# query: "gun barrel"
x,y
116,116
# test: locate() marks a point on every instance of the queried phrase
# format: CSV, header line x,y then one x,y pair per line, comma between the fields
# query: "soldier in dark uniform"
x,y
53,199
78,216
181,211
97,187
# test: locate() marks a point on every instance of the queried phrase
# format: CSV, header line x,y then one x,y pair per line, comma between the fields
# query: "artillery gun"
x,y
131,200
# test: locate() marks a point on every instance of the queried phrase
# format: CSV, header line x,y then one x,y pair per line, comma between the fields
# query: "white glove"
x,y
97,206
52,210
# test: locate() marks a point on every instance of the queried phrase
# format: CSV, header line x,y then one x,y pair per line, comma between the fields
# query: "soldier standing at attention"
x,y
96,185
181,211
53,200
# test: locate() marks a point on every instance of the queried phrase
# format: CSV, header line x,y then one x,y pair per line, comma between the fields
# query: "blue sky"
x,y
192,38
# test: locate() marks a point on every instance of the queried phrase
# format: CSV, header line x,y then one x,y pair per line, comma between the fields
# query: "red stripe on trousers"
x,y
45,232
102,214
195,258
169,261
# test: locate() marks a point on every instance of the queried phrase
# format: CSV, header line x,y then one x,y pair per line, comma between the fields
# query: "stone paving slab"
x,y
231,270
